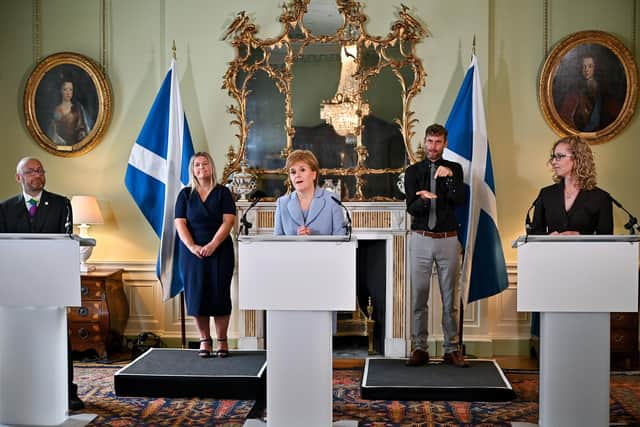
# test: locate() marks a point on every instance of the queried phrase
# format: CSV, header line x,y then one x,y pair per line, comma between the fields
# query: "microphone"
x,y
255,197
632,224
68,224
527,221
348,226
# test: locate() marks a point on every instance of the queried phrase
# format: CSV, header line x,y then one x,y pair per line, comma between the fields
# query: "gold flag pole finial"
x,y
173,50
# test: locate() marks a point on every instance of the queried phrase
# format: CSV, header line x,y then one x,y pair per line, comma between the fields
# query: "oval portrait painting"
x,y
67,104
589,86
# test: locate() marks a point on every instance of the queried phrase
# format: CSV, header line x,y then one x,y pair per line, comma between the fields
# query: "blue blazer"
x,y
325,216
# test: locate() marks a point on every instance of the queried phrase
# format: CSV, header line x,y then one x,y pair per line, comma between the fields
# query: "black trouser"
x,y
73,388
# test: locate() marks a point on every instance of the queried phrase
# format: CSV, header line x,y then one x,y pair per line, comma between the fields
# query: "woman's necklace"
x,y
570,194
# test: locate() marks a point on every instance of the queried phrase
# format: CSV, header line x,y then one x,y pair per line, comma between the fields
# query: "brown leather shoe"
x,y
455,358
418,358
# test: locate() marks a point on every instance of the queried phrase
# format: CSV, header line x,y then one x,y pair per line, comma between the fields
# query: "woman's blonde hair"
x,y
194,183
584,167
307,157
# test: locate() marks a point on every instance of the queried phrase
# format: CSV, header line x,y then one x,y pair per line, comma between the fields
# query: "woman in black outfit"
x,y
573,205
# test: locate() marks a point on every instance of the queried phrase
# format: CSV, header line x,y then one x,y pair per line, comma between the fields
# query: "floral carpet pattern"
x,y
96,390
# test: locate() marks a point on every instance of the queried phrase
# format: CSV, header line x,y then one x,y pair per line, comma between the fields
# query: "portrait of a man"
x,y
66,104
589,88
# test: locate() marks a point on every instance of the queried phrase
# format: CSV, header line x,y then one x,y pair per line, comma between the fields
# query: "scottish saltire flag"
x,y
158,169
484,272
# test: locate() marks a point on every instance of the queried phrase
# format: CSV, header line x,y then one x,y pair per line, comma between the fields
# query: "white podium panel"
x,y
575,281
41,276
299,373
578,274
574,369
39,270
297,273
33,365
299,281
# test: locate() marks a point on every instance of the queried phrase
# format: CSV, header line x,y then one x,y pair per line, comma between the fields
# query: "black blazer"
x,y
54,211
448,189
591,212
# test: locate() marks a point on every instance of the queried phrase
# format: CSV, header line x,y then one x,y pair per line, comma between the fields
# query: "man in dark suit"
x,y
434,188
51,212
36,210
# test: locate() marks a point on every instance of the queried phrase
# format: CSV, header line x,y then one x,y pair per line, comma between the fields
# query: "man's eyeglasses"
x,y
557,157
30,172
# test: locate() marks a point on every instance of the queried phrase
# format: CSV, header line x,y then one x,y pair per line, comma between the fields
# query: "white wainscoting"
x,y
147,311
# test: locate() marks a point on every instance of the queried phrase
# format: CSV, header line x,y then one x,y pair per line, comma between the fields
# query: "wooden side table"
x,y
624,339
103,315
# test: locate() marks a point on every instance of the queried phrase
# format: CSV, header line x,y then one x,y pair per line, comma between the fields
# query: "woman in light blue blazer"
x,y
309,210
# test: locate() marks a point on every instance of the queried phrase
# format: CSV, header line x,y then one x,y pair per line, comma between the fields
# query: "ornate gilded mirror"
x,y
326,85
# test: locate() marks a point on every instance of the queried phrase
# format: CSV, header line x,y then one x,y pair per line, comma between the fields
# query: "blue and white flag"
x,y
158,169
484,272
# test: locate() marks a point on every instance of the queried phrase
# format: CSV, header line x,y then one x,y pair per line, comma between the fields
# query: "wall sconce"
x,y
85,212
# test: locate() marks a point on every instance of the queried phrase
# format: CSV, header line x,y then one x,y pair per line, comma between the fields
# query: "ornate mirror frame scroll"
x,y
406,33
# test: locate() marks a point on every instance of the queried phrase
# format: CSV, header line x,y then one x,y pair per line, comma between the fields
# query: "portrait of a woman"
x,y
70,122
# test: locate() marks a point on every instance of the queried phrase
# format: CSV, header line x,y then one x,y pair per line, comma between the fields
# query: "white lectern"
x,y
40,277
299,281
574,282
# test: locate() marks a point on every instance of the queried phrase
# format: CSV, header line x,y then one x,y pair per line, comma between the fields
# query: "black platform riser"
x,y
459,394
150,386
177,373
390,379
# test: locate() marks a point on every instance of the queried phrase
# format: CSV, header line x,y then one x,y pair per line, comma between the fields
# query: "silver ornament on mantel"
x,y
243,182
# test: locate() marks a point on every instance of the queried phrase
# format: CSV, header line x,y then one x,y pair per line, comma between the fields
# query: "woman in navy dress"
x,y
204,216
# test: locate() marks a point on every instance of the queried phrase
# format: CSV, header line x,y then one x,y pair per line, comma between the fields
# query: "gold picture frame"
x,y
67,104
589,86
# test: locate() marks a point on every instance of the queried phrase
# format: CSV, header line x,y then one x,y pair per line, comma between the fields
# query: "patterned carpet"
x,y
96,389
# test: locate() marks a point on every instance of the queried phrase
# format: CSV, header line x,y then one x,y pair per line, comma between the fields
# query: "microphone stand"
x,y
68,225
348,226
527,223
632,224
246,225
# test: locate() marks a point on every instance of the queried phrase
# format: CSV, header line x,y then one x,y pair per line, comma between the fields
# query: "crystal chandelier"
x,y
345,110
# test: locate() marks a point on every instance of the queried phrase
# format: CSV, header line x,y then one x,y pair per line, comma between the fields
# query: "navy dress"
x,y
207,281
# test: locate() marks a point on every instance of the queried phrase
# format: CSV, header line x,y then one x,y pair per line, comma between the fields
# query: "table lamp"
x,y
85,212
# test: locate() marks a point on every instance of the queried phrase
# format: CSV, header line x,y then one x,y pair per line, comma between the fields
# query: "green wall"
x,y
510,42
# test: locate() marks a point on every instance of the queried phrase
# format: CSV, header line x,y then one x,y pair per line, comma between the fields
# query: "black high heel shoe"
x,y
222,352
203,352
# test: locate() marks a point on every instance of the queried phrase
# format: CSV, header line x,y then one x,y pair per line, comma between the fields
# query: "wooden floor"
x,y
517,362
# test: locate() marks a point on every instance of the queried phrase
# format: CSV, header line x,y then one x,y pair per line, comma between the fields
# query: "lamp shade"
x,y
86,210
